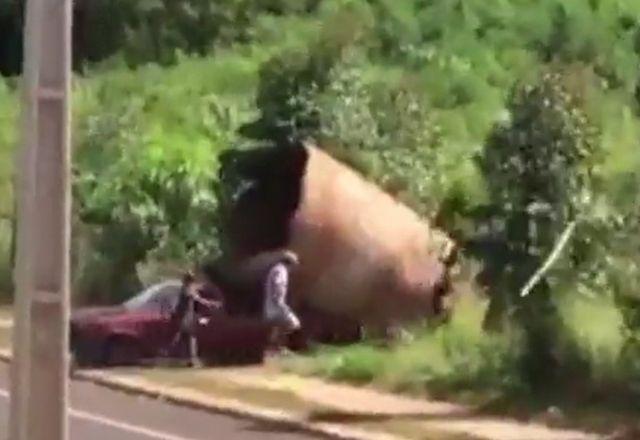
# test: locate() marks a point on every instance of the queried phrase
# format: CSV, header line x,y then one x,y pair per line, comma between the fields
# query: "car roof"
x,y
166,288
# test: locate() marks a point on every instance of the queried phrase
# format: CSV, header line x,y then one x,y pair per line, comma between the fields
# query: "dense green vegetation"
x,y
7,142
504,121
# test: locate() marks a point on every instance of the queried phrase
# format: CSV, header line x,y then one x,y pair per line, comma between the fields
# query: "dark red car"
x,y
142,328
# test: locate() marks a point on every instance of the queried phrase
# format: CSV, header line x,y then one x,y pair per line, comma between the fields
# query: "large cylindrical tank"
x,y
363,255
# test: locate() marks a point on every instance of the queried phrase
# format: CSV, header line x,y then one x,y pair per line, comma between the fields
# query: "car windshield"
x,y
156,298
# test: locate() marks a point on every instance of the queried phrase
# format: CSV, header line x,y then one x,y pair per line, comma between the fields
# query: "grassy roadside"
x,y
320,402
290,401
461,363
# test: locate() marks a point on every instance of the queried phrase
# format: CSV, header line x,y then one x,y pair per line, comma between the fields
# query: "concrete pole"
x,y
40,343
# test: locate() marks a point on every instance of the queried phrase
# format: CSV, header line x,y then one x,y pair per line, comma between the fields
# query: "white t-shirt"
x,y
275,289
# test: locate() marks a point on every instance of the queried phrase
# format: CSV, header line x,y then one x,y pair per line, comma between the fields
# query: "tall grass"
x,y
596,326
457,356
461,361
8,123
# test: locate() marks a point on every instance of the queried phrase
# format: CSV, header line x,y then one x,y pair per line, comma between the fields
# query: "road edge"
x,y
230,407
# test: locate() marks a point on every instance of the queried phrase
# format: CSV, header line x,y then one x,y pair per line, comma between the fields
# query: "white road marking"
x,y
122,426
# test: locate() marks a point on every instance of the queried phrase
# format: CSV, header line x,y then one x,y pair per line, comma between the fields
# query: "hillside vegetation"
x,y
503,121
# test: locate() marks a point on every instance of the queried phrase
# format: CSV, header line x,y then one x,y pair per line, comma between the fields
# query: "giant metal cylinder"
x,y
363,254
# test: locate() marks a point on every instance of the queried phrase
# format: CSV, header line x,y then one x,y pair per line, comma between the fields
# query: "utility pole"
x,y
39,370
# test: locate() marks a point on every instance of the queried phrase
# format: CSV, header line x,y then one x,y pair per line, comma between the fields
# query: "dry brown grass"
x,y
205,382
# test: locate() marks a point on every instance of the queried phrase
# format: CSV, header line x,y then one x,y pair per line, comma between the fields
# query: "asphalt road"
x,y
101,414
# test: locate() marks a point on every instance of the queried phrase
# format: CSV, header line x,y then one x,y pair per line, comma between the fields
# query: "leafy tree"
x,y
289,78
384,129
144,189
541,169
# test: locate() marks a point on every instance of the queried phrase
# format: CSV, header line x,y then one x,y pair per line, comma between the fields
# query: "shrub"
x,y
456,356
8,140
381,127
550,148
386,130
145,174
289,77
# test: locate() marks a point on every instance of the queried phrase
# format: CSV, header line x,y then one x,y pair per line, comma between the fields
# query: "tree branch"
x,y
551,259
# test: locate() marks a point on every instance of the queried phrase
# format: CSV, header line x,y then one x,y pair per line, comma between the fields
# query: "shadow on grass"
x,y
614,408
392,427
352,417
273,427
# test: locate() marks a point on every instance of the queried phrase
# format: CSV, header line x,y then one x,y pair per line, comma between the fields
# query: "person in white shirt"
x,y
276,286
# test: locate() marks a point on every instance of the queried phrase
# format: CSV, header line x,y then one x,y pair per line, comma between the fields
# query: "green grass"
x,y
461,362
595,324
8,124
457,356
461,355
5,265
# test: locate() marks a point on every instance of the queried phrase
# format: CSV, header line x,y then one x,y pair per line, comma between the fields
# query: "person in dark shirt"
x,y
184,316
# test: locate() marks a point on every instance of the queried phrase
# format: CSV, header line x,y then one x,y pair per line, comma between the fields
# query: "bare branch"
x,y
551,259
